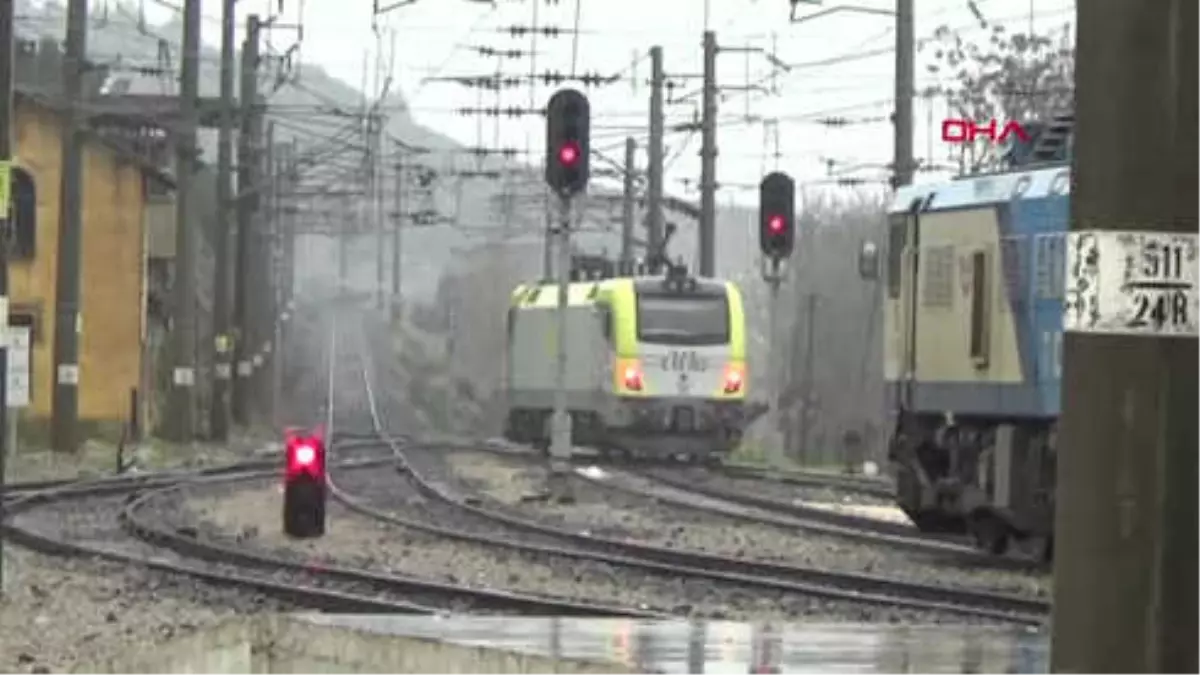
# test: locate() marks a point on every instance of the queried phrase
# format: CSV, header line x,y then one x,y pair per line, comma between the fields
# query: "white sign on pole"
x,y
1132,283
18,367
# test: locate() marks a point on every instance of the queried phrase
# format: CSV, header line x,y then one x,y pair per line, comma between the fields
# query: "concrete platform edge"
x,y
280,643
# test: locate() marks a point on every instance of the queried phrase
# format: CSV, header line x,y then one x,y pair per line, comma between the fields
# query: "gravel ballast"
x,y
614,514
59,613
248,515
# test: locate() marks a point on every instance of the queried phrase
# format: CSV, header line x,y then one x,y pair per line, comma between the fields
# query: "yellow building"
x,y
112,288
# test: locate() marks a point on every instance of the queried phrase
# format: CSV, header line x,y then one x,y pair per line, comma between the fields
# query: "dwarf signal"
x,y
304,487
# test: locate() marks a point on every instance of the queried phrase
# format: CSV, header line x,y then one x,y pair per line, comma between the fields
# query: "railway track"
x,y
863,485
317,586
678,489
777,577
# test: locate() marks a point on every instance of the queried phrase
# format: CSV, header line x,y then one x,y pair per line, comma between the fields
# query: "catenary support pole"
x,y
655,156
1125,533
806,385
181,402
7,123
223,272
708,160
377,209
629,199
64,432
902,120
262,281
396,310
247,203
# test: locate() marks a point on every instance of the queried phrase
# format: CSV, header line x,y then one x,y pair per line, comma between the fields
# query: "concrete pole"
x,y
222,296
1125,553
181,403
655,157
397,305
7,123
810,316
708,160
902,161
628,201
67,323
247,203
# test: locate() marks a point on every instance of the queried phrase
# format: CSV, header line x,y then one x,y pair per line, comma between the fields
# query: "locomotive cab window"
x,y
606,322
701,319
897,236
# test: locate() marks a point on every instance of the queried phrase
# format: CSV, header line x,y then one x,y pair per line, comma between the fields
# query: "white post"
x,y
560,424
773,275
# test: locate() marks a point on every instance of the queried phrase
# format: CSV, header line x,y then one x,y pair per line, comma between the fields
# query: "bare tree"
x,y
1004,76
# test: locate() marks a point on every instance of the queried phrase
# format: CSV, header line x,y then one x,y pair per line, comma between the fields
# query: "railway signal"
x,y
568,127
304,485
776,215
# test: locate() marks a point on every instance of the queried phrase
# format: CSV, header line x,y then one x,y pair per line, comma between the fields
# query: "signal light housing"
x,y
568,131
776,215
304,485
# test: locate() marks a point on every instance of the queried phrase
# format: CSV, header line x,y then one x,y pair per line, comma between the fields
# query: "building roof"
x,y
127,110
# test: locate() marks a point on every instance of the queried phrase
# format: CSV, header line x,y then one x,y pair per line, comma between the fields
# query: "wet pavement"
x,y
729,647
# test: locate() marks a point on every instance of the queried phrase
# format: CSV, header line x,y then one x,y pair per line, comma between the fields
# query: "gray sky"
x,y
843,67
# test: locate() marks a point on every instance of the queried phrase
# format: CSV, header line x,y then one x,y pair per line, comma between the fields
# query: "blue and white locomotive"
x,y
974,280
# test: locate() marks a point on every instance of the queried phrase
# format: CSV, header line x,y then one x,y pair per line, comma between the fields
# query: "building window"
x,y
28,315
23,216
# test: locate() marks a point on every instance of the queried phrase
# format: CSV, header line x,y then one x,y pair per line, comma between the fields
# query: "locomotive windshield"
x,y
683,319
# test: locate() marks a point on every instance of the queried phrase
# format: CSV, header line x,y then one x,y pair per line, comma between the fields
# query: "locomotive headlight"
x,y
632,377
733,380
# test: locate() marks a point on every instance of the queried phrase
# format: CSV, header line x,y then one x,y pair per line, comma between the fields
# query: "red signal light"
x,y
304,456
775,224
568,154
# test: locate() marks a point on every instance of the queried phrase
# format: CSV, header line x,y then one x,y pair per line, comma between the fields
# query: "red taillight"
x,y
633,378
733,381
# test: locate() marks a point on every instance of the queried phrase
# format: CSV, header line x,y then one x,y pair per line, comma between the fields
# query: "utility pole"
x,y
247,203
67,321
708,160
810,316
181,403
397,311
222,291
261,279
654,154
629,200
902,119
1125,551
278,218
7,123
376,141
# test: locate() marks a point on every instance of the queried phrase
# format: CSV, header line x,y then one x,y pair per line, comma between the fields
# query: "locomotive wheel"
x,y
991,534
